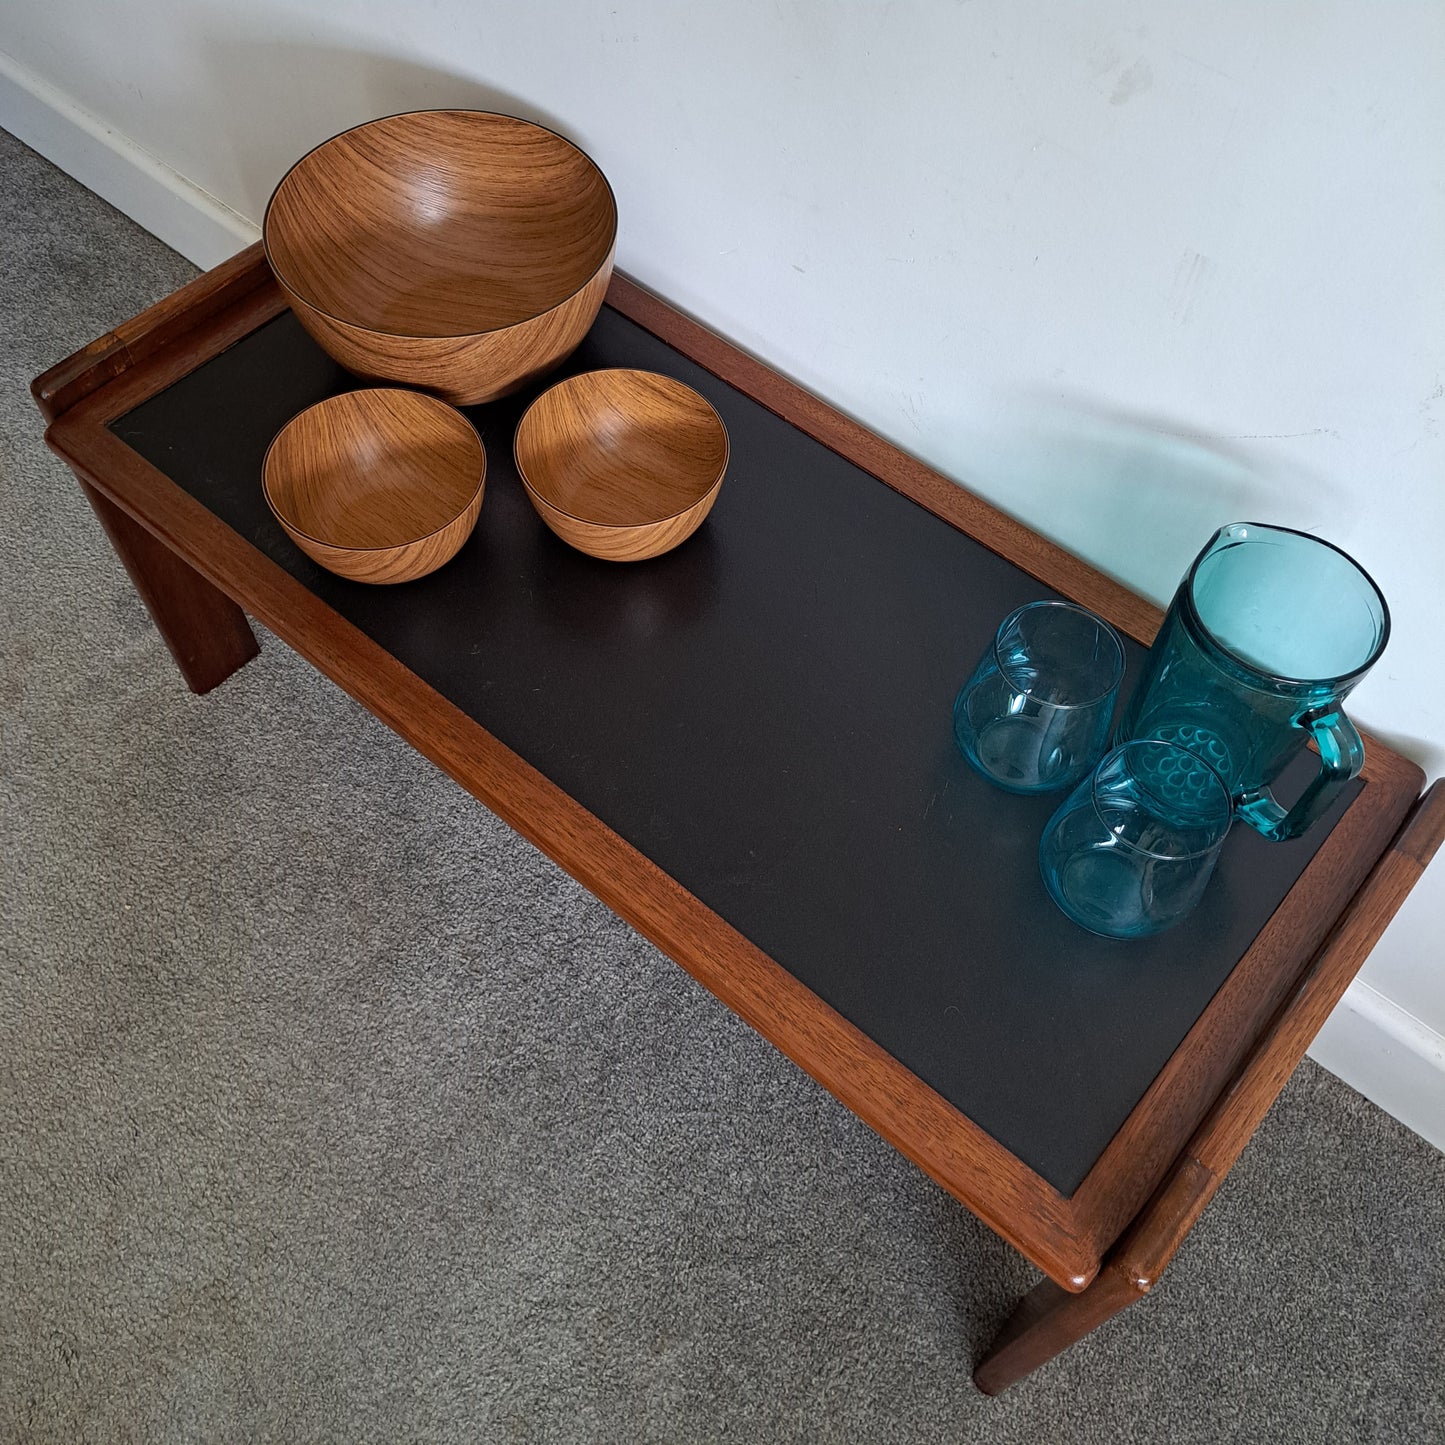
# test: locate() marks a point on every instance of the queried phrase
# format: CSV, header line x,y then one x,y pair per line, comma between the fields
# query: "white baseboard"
x,y
1392,1058
1369,1042
188,219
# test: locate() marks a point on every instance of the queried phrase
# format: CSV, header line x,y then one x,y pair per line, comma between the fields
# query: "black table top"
x,y
765,713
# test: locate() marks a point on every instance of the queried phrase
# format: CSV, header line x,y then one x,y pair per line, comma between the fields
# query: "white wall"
x,y
1128,269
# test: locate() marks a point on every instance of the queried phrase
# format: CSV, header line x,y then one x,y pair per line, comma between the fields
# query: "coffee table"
x,y
744,749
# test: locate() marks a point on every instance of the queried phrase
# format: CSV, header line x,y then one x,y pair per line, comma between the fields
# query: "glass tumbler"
x,y
1034,716
1131,849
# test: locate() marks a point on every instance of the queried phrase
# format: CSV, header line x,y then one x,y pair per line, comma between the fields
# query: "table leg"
x,y
208,635
1047,1321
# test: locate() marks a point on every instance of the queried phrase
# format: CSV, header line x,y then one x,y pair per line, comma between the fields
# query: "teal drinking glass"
x,y
1267,635
1034,716
1130,851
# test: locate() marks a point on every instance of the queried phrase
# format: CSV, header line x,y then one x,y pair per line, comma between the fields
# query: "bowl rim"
x,y
702,496
387,546
305,300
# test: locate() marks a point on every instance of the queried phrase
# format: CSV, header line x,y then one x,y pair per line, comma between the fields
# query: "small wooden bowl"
x,y
378,486
621,464
456,250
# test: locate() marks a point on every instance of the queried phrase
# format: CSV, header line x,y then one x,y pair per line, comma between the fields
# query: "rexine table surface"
x,y
765,713
745,747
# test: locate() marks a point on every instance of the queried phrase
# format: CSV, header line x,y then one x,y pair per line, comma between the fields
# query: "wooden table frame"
x,y
1102,1247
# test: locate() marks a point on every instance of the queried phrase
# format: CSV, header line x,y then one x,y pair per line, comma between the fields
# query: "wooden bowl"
x,y
455,250
621,464
378,486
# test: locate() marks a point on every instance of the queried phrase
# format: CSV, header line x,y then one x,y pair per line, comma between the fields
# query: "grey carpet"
x,y
332,1111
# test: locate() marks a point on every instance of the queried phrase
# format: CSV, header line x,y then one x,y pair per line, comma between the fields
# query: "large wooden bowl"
x,y
621,464
379,486
455,250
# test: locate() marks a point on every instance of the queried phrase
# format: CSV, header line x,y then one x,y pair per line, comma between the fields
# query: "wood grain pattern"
x,y
622,464
1140,1154
456,250
171,319
381,485
1239,1110
941,495
1045,1323
1049,1320
1020,1206
205,632
1066,1238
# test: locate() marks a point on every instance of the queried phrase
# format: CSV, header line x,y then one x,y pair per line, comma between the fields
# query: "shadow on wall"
x,y
1429,755
281,97
1139,496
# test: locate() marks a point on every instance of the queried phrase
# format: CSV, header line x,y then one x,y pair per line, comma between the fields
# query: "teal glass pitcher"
x,y
1267,634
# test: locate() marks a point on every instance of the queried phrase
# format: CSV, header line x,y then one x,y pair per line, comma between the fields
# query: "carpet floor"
x,y
331,1110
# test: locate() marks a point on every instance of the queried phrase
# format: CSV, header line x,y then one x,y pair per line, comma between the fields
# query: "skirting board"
x,y
188,219
1369,1042
1392,1058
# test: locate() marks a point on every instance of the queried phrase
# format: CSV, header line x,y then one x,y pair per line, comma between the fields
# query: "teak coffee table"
x,y
744,748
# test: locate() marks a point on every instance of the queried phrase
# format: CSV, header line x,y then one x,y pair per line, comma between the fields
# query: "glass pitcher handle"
x,y
1342,755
